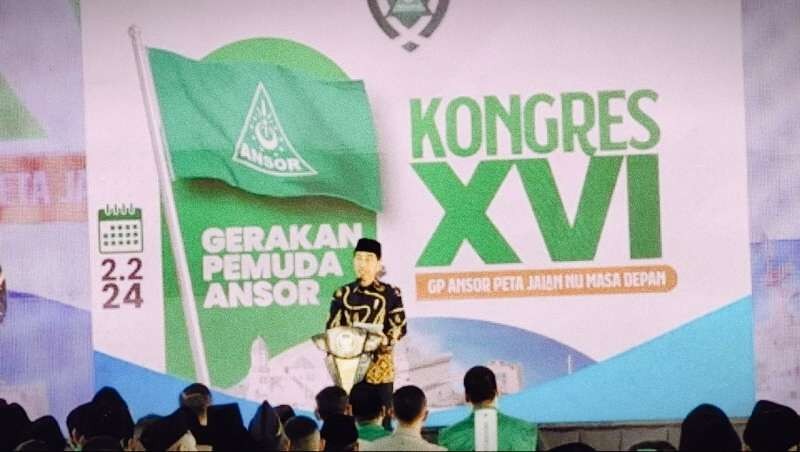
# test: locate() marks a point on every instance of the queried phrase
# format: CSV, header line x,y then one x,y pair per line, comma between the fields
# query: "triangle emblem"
x,y
263,145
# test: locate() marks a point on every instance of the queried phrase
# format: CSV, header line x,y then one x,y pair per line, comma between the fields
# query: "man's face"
x,y
366,265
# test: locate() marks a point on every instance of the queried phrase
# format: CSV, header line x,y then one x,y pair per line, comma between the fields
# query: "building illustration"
x,y
295,376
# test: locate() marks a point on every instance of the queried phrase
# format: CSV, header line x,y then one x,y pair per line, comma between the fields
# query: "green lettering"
x,y
509,117
423,125
465,216
475,125
606,120
579,241
644,206
642,118
572,129
530,125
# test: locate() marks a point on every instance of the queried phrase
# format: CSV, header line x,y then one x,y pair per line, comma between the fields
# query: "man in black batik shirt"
x,y
368,300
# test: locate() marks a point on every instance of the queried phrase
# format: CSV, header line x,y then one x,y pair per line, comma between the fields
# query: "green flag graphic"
x,y
15,120
267,129
236,319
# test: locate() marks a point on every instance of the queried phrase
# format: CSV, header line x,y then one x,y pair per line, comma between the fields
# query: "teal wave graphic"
x,y
707,360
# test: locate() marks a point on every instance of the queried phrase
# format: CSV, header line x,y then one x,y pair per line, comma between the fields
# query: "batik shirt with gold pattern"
x,y
377,303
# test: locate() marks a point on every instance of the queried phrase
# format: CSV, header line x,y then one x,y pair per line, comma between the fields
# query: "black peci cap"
x,y
369,246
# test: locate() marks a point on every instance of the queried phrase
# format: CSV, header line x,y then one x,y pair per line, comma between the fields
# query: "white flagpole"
x,y
165,178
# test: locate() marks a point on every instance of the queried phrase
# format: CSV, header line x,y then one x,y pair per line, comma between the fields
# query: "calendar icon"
x,y
120,229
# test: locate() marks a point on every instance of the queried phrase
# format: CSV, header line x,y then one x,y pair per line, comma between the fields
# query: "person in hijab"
x,y
79,425
227,428
106,414
266,429
169,433
46,430
14,425
707,427
772,427
115,418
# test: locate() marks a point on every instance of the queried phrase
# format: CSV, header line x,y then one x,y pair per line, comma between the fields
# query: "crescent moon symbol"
x,y
266,136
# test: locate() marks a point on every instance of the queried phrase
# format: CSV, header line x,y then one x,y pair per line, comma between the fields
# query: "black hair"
x,y
196,397
300,427
331,400
480,385
409,403
366,402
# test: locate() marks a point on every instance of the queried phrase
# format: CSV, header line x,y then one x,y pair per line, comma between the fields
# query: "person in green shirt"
x,y
480,390
369,411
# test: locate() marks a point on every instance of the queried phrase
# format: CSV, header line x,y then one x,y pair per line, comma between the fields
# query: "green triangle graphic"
x,y
16,122
408,12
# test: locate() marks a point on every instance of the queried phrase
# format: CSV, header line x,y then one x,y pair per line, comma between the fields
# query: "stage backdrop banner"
x,y
563,198
46,360
773,145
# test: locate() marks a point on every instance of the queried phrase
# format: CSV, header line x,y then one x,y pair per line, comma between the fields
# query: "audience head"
x,y
33,444
102,423
331,400
196,398
573,447
653,446
108,396
265,427
772,427
480,385
303,433
46,430
102,443
111,414
365,402
14,422
285,412
339,433
101,417
168,433
228,431
135,444
708,428
410,405
80,423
